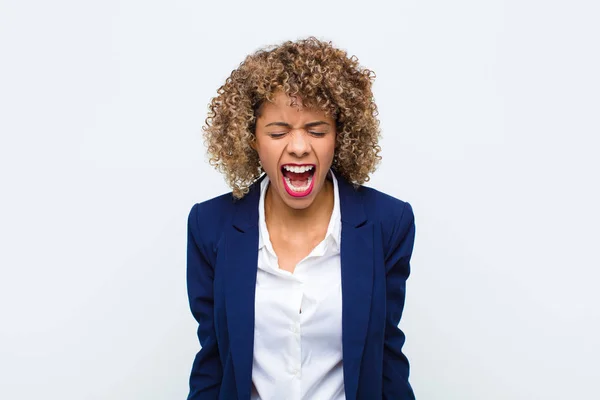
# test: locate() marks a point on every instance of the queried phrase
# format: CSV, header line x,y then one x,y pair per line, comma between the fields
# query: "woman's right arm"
x,y
207,371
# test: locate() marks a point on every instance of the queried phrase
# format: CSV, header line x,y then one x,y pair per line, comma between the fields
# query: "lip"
x,y
298,165
298,194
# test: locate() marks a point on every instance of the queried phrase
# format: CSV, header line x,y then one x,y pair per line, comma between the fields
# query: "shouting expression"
x,y
295,146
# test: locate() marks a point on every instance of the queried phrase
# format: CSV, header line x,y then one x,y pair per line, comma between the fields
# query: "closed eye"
x,y
280,135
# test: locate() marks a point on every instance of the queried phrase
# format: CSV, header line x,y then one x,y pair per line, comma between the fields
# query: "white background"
x,y
490,120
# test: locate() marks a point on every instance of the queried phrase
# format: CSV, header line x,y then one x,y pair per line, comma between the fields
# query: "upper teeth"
x,y
298,169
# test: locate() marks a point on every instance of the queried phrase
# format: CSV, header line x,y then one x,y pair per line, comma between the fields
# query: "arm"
x,y
207,372
397,262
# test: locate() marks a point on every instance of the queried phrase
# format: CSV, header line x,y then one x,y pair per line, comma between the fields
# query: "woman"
x,y
297,278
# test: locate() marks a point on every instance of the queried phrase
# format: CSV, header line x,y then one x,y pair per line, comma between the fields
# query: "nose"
x,y
299,144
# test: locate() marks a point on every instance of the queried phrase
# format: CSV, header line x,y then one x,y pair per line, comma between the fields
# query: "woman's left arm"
x,y
397,264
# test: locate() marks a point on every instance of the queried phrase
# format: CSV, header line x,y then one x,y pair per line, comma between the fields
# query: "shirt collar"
x,y
334,229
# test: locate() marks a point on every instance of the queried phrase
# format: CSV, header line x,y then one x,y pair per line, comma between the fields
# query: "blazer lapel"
x,y
241,246
357,282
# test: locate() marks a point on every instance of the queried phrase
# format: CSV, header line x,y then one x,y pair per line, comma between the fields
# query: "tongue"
x,y
298,179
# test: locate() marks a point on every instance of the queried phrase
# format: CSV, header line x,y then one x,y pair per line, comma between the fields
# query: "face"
x,y
295,146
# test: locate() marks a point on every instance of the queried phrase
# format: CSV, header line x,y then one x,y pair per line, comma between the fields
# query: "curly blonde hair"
x,y
325,78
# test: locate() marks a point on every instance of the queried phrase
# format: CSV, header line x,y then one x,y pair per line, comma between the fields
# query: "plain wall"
x,y
490,120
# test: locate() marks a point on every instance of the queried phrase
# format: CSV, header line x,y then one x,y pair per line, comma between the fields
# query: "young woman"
x,y
297,277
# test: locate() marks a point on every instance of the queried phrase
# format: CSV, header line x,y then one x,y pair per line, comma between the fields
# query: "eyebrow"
x,y
308,125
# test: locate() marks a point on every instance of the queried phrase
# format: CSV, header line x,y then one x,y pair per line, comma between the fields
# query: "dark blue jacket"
x,y
377,240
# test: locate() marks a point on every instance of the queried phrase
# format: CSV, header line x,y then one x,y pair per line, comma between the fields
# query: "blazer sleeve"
x,y
397,262
207,371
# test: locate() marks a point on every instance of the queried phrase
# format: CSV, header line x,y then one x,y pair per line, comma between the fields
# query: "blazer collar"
x,y
246,214
351,203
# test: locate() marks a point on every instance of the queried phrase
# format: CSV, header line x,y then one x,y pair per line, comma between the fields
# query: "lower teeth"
x,y
296,188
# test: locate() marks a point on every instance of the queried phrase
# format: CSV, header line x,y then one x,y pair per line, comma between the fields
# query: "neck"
x,y
293,220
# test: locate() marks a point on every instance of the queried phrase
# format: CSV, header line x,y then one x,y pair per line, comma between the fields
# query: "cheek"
x,y
268,160
329,151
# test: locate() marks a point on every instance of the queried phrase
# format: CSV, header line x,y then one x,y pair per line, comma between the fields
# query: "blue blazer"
x,y
377,240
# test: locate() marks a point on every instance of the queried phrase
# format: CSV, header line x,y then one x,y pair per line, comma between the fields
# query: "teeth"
x,y
298,188
298,169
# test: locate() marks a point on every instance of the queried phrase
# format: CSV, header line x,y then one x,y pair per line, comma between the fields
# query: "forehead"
x,y
288,108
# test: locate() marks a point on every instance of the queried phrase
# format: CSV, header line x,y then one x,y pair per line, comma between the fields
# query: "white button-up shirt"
x,y
298,318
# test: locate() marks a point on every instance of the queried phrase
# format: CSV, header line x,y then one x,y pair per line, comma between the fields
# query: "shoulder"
x,y
222,209
393,217
380,206
214,210
207,219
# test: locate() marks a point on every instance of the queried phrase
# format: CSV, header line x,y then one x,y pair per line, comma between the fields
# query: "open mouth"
x,y
298,179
